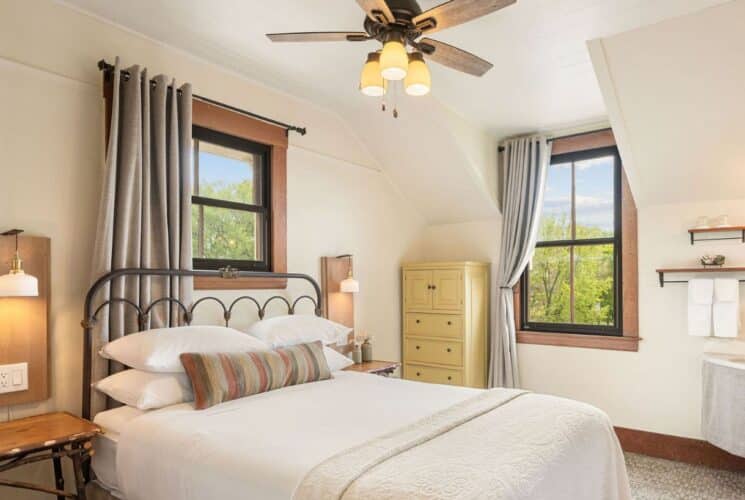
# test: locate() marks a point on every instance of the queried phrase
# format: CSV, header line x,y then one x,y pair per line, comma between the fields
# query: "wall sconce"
x,y
349,285
17,283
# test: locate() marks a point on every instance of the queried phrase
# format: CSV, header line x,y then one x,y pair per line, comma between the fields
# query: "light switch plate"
x,y
13,378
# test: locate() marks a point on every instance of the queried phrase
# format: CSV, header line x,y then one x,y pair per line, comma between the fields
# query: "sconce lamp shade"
x,y
18,284
349,285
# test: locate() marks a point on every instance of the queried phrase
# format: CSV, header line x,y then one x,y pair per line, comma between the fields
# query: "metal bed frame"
x,y
90,315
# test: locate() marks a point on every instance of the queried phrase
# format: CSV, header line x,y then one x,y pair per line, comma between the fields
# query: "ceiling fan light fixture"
x,y
394,60
418,81
372,82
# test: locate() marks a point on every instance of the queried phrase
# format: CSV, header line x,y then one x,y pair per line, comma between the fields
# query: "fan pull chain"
x,y
395,101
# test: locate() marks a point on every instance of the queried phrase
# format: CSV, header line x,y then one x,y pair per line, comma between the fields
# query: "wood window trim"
x,y
229,122
629,341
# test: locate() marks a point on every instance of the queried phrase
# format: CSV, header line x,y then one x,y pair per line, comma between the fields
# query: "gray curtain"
x,y
525,165
144,217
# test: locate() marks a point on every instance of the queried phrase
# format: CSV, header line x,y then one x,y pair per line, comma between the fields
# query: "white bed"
x,y
263,446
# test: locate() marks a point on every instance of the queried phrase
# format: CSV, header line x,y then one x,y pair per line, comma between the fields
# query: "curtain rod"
x,y
568,136
109,68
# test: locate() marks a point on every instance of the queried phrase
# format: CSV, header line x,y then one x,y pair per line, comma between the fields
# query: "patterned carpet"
x,y
657,479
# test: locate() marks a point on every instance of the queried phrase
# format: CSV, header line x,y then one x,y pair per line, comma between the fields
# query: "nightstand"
x,y
47,437
383,368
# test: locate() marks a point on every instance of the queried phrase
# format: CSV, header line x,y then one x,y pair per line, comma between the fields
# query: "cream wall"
x,y
51,124
476,240
656,389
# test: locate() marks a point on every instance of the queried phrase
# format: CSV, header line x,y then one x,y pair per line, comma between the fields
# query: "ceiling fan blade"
x,y
377,10
319,36
453,57
456,12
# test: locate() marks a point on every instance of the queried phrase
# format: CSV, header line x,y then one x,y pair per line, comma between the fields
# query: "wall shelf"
x,y
725,229
723,269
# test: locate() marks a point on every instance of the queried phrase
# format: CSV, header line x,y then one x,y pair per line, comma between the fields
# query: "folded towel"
x,y
700,291
699,320
726,319
700,295
726,290
726,309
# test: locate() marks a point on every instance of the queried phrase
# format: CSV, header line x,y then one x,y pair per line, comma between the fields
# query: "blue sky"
x,y
213,168
594,184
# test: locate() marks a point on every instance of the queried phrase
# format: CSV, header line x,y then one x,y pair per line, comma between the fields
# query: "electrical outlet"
x,y
13,378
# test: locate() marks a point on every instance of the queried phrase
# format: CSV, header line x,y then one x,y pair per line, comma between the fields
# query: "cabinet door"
x,y
448,290
417,293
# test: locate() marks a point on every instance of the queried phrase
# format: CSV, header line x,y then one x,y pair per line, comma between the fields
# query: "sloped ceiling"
x,y
676,100
440,152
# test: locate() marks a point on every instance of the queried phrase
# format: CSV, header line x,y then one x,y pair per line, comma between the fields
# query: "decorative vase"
x,y
357,354
367,351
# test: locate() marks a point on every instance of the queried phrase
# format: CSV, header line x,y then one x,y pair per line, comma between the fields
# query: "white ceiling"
x,y
437,153
543,77
675,93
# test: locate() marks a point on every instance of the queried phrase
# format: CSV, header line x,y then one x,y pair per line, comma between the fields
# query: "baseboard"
x,y
680,449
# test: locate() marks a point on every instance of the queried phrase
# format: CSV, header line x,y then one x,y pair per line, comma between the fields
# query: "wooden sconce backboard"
x,y
337,306
24,320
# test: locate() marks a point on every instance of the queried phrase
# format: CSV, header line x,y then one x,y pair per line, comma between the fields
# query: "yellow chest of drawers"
x,y
446,322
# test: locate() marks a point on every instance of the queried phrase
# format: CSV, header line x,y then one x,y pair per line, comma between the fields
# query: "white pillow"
x,y
146,390
158,350
294,329
115,420
336,360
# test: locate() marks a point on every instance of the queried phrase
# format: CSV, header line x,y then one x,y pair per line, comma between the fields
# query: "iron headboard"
x,y
90,316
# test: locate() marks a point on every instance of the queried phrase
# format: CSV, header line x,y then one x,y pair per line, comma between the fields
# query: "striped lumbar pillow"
x,y
216,378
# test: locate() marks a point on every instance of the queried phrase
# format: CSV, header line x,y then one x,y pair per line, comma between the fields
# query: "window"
x,y
573,283
247,157
230,203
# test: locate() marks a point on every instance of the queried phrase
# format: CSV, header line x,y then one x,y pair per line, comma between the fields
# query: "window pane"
x,y
594,302
556,218
228,174
548,286
594,197
225,233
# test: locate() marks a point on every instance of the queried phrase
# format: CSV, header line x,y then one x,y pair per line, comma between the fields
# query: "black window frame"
x,y
617,328
264,229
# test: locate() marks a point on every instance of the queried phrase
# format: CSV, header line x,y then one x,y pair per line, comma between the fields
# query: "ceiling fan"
x,y
401,23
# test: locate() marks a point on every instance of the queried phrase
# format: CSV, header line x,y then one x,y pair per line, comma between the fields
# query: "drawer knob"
x,y
434,287
418,374
449,349
417,321
450,322
450,378
417,347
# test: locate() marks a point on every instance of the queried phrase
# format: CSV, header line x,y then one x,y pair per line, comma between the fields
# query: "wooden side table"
x,y
383,368
47,437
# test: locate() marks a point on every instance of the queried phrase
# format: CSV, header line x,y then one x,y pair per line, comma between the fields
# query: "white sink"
x,y
731,360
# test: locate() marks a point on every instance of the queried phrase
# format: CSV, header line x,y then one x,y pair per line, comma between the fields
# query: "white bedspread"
x,y
263,446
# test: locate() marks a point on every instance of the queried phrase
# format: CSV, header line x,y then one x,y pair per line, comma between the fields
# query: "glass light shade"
x,y
418,81
18,284
349,285
394,61
372,82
